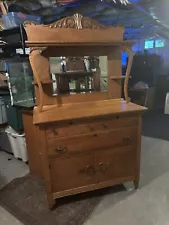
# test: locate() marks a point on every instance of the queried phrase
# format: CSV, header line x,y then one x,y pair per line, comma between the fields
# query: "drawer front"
x,y
89,126
119,163
73,172
92,142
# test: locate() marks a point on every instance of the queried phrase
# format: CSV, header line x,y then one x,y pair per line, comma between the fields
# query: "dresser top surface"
x,y
53,113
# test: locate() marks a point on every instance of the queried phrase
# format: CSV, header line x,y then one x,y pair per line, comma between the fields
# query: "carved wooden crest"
x,y
76,21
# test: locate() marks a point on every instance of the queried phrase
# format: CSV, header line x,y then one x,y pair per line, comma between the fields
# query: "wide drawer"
x,y
64,147
88,126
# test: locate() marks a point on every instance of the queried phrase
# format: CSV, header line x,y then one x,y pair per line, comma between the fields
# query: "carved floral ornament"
x,y
76,21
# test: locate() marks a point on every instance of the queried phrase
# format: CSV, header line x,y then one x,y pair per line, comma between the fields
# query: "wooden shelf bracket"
x,y
127,76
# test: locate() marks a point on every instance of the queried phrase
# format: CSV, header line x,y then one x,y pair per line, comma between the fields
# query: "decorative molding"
x,y
127,76
40,49
76,21
29,23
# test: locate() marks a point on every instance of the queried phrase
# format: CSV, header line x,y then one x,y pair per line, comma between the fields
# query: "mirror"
x,y
83,74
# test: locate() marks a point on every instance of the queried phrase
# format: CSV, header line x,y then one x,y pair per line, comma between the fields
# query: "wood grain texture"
x,y
72,172
74,128
91,187
138,155
34,153
116,163
85,141
85,110
73,29
41,145
91,142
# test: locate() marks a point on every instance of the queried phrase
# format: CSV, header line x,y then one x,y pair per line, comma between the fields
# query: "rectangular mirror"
x,y
83,74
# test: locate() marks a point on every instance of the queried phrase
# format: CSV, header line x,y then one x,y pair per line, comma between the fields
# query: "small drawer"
x,y
64,147
74,128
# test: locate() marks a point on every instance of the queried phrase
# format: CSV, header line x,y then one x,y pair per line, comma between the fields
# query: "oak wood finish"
x,y
74,128
33,152
85,110
81,142
95,141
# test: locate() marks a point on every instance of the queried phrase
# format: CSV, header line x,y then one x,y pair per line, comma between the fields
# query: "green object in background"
x,y
14,115
20,82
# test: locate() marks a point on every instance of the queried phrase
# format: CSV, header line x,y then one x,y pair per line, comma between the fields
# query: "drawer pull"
x,y
54,131
61,149
91,128
105,126
90,170
102,167
127,138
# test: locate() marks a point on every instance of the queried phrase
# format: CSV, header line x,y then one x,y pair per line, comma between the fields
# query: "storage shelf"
x,y
72,74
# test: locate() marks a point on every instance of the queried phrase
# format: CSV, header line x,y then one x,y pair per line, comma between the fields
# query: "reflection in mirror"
x,y
72,75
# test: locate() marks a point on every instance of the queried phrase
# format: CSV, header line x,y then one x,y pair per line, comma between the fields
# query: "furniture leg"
x,y
51,201
136,184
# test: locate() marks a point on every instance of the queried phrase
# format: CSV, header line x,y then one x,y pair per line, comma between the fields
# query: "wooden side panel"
x,y
114,70
138,158
34,156
45,164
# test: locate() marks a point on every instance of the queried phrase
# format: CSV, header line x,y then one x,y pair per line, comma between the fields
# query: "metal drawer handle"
x,y
61,149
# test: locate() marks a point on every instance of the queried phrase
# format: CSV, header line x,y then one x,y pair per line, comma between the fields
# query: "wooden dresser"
x,y
85,141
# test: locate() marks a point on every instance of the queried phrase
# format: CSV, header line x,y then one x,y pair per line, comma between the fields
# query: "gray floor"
x,y
10,168
147,206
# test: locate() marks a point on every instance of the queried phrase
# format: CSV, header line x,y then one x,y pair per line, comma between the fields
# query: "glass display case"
x,y
20,78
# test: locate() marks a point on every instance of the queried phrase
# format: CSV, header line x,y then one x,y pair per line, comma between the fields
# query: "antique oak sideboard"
x,y
83,141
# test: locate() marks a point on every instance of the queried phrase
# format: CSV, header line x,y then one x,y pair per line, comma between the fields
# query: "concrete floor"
x,y
147,206
10,168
